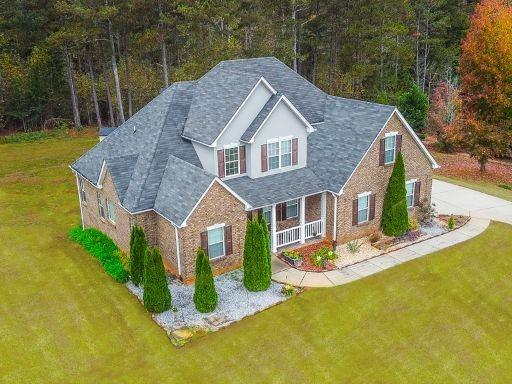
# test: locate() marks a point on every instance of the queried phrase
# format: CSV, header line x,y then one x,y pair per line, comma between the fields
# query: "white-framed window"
x,y
286,153
101,205
267,214
216,241
292,209
111,211
232,161
279,153
273,155
389,149
409,195
363,208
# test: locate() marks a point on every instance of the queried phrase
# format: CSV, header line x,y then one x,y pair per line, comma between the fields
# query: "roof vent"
x,y
134,129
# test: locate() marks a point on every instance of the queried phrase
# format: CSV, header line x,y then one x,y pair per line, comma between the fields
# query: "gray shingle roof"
x,y
154,167
338,144
220,92
276,188
105,131
121,169
260,117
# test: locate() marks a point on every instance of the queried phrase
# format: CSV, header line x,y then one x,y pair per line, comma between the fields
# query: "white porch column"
x,y
273,228
302,220
323,209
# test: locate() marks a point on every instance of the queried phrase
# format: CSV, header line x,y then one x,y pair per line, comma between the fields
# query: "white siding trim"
x,y
79,200
103,171
309,127
177,249
261,80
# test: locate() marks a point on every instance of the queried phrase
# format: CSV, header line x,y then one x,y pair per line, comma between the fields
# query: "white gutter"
x,y
335,217
80,200
177,249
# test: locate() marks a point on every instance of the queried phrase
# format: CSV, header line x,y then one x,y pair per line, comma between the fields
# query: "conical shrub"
x,y
205,296
266,239
395,219
138,247
157,297
256,263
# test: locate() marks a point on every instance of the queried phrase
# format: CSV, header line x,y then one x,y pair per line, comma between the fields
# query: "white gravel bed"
x,y
345,257
436,228
235,302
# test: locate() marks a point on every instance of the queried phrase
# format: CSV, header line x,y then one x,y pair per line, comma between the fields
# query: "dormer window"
x,y
280,153
231,161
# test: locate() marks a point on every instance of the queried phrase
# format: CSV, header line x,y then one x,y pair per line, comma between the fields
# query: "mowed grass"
x,y
440,319
491,188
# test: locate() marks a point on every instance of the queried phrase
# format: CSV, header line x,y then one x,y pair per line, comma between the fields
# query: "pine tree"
x,y
138,247
414,106
256,263
395,219
205,296
157,297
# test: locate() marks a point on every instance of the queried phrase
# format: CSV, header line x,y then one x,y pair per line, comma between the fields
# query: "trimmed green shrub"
x,y
157,297
256,263
395,219
266,238
138,247
205,296
103,249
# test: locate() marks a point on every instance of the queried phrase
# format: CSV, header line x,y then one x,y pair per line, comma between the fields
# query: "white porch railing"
x,y
288,236
292,235
314,228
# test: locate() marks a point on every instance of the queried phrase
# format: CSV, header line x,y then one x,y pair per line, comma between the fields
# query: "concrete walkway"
x,y
283,273
453,199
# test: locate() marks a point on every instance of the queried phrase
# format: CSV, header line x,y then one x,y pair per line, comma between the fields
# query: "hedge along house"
x,y
249,137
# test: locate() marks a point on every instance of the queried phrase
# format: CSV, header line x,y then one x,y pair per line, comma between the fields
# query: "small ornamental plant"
x,y
451,223
395,218
157,297
205,296
138,247
353,246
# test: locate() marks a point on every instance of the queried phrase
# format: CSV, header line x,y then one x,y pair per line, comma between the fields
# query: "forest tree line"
x,y
96,62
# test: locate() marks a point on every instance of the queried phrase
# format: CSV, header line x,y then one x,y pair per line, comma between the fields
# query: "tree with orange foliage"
x,y
444,115
486,81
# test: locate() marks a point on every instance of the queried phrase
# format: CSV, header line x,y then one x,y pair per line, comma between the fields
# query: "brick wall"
x,y
218,206
372,177
118,231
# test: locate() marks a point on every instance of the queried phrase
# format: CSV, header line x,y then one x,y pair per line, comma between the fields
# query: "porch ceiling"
x,y
276,188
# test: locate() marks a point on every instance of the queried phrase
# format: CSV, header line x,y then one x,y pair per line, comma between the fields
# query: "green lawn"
x,y
444,318
481,186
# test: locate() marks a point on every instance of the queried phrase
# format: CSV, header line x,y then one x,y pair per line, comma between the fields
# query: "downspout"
x,y
79,200
335,218
177,250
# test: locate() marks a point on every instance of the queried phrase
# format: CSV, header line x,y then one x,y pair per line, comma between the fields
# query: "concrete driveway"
x,y
452,199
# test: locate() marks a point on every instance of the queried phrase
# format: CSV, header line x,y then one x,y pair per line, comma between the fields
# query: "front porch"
x,y
295,221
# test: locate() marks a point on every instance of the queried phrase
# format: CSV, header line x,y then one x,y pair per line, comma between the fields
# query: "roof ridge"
x,y
139,194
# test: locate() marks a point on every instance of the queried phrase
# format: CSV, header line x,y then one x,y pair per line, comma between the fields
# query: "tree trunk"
x,y
116,75
294,26
94,94
109,97
164,64
418,51
128,79
483,164
72,89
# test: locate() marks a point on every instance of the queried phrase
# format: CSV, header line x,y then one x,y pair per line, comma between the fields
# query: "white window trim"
x,y
109,212
231,146
83,196
297,204
390,134
367,195
211,228
280,153
413,182
101,204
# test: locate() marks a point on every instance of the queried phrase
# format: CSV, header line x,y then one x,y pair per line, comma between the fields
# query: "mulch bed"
x,y
459,219
306,251
388,242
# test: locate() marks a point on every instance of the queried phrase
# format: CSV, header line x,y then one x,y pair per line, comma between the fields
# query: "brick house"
x,y
250,136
